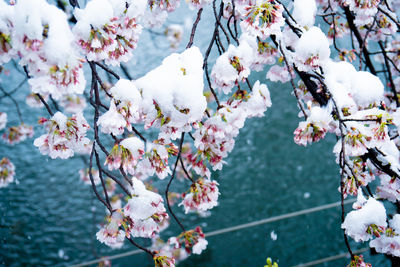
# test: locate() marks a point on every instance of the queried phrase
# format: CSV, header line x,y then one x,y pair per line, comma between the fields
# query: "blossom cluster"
x,y
202,196
65,136
142,216
192,241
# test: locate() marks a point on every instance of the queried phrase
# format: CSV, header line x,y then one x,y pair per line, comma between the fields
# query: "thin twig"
x,y
194,27
170,181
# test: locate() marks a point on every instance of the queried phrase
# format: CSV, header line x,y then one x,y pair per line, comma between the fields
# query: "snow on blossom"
x,y
365,10
3,120
389,242
366,89
128,100
126,154
66,135
351,88
44,42
263,52
7,172
202,196
173,92
259,100
112,122
304,12
361,200
6,27
232,67
73,103
263,18
16,134
146,210
312,50
85,177
369,220
223,74
111,234
315,127
108,30
389,155
124,108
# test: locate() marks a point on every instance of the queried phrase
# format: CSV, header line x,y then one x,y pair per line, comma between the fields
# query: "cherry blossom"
x,y
16,134
193,241
314,128
202,196
111,234
126,154
7,172
263,18
146,211
66,135
366,222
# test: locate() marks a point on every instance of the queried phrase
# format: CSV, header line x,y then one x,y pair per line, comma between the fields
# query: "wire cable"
x,y
234,228
331,258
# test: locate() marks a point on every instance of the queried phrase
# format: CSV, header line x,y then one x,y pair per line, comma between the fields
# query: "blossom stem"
x,y
92,180
101,178
194,27
170,181
108,70
45,104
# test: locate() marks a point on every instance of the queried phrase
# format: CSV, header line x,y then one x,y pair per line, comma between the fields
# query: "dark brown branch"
x,y
185,171
101,178
194,27
15,103
354,29
109,174
170,181
139,134
392,84
92,181
108,70
152,253
45,104
217,19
